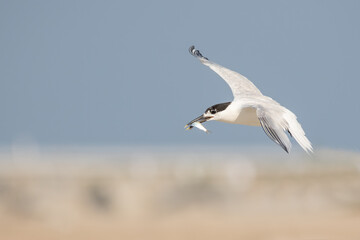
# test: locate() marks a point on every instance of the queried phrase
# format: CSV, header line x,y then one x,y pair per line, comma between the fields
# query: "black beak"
x,y
199,119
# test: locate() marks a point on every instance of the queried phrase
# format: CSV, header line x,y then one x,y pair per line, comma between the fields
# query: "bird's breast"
x,y
244,116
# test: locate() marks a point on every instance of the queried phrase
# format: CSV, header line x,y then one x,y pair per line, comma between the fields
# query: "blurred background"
x,y
94,96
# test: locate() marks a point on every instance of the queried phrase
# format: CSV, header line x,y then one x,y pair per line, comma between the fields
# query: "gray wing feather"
x,y
240,85
272,133
274,128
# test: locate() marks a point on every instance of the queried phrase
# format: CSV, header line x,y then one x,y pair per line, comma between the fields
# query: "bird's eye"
x,y
213,111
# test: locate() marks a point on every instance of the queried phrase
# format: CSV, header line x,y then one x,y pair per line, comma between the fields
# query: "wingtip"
x,y
196,53
286,149
191,49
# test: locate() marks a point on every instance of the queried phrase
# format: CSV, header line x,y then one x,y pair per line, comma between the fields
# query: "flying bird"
x,y
251,107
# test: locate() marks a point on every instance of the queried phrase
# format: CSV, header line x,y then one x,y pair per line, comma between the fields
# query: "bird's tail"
x,y
297,132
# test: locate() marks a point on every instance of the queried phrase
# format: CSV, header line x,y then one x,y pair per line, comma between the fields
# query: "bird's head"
x,y
211,113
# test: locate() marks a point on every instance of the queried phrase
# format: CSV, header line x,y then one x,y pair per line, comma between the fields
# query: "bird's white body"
x,y
251,107
237,114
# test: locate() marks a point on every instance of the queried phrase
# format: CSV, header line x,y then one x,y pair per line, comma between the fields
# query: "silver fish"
x,y
197,125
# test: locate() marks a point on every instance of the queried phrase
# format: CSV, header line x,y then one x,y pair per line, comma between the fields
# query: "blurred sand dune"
x,y
179,195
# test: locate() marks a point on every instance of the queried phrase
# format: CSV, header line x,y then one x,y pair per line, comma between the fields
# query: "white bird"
x,y
251,107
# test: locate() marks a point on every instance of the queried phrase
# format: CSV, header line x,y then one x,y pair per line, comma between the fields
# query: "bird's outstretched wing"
x,y
240,85
274,129
276,120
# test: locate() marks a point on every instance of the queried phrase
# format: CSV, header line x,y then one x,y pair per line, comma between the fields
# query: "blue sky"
x,y
119,72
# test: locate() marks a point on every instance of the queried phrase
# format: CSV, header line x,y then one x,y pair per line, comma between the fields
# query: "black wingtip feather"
x,y
271,134
196,53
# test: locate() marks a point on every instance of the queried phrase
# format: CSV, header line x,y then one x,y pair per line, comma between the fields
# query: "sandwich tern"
x,y
251,107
